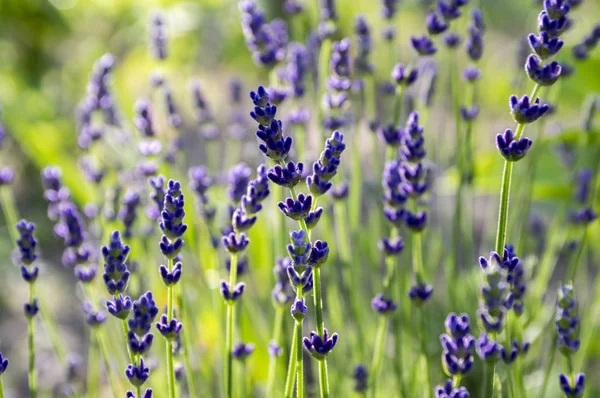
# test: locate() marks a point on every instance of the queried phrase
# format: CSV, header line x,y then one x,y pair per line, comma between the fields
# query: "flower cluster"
x,y
325,168
439,20
362,62
458,345
158,36
140,339
567,330
98,98
270,130
389,9
448,391
116,276
27,244
582,50
266,41
336,99
149,147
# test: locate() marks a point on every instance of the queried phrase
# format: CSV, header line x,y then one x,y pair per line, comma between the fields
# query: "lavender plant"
x,y
328,81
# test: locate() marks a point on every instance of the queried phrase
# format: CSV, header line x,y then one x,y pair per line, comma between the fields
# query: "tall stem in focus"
x,y
229,330
273,359
169,348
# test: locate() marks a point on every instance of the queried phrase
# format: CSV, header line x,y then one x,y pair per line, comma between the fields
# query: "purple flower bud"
x,y
318,254
242,351
169,329
435,25
299,310
553,27
231,294
313,217
3,364
288,176
471,74
170,278
487,349
158,36
544,45
119,307
319,347
234,243
296,209
423,45
94,318
137,374
544,75
382,305
469,114
523,111
448,391
511,149
31,309
557,8
361,378
452,40
572,386
404,76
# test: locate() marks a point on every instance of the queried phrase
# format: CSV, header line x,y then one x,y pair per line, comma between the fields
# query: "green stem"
x,y
1,389
291,374
229,330
299,357
397,115
277,326
92,366
548,368
126,332
186,332
318,300
489,370
30,331
378,354
114,385
572,271
169,344
9,208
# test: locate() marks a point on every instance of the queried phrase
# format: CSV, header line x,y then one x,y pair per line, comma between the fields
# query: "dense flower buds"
x,y
382,305
544,45
510,148
544,75
487,349
567,321
288,175
3,364
169,329
137,374
458,345
573,387
319,346
524,111
423,45
494,291
435,25
230,293
119,307
361,379
116,276
404,76
158,36
299,310
235,244
242,351
265,40
448,391
296,209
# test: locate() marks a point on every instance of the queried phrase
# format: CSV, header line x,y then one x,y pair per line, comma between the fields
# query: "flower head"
x,y
510,148
319,346
383,305
423,45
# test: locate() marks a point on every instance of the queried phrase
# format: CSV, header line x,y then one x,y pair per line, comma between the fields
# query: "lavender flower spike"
x,y
423,45
544,75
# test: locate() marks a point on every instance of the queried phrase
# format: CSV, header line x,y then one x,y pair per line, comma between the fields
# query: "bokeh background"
x,y
48,48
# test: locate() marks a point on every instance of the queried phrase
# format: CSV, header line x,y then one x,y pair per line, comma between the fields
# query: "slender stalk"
x,y
9,208
277,326
291,375
1,389
169,344
548,368
489,370
503,210
92,366
30,332
397,115
417,251
229,330
126,332
299,354
115,386
378,354
318,299
186,343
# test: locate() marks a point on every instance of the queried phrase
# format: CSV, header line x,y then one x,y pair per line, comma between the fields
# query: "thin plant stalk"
x,y
229,330
9,208
502,222
277,326
1,389
126,332
186,346
169,344
457,219
299,353
92,364
31,342
291,375
378,353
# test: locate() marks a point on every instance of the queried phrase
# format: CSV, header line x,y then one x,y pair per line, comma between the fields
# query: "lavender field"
x,y
299,198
